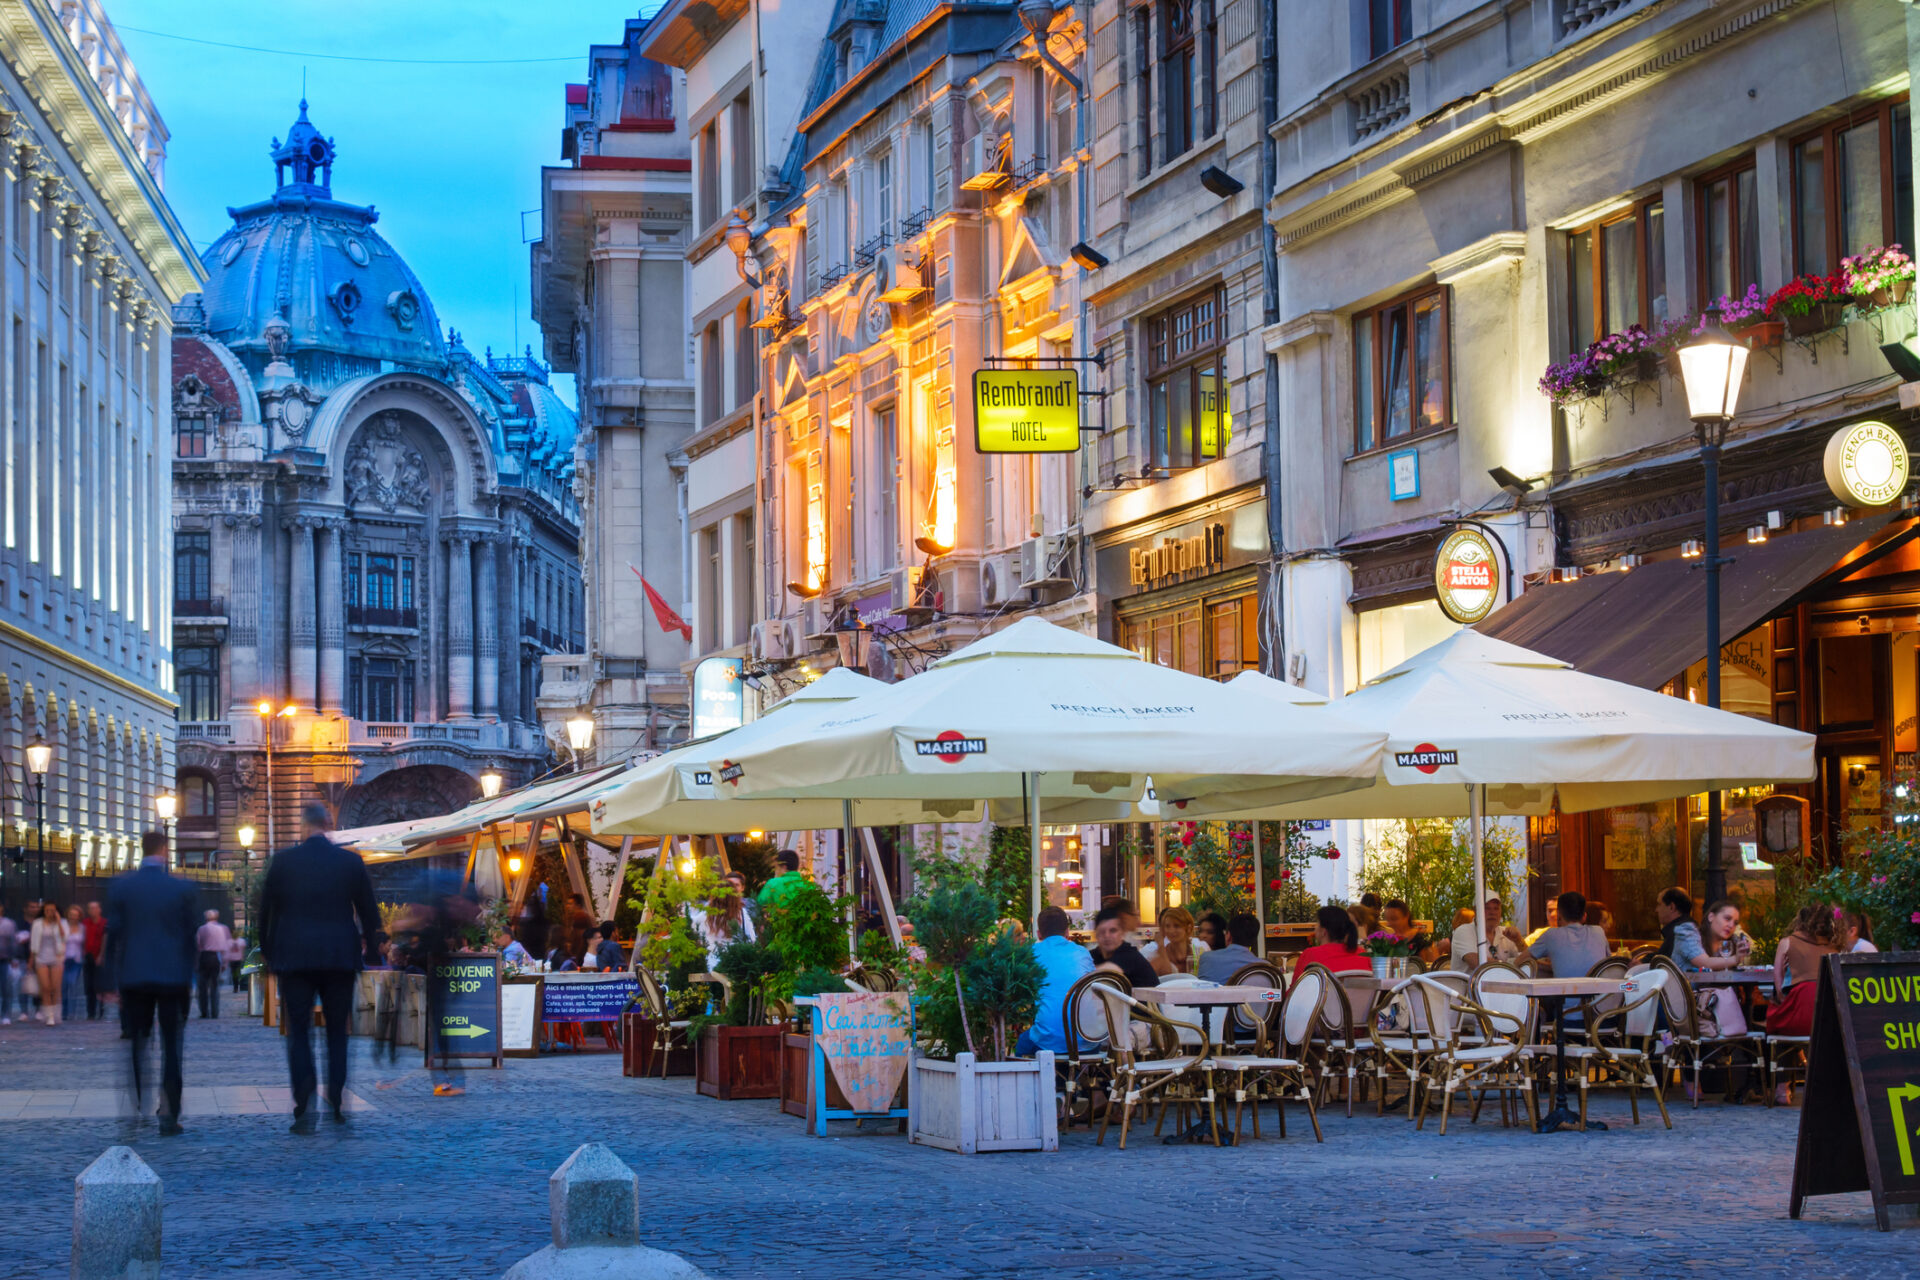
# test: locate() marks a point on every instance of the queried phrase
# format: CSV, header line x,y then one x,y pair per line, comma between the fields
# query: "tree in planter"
x,y
1428,864
806,930
973,972
747,966
666,943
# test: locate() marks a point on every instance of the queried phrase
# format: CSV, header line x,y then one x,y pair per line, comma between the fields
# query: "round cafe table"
x,y
1206,999
1562,1116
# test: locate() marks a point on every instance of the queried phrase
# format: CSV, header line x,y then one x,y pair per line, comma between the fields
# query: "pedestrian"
x,y
150,926
314,892
28,984
236,957
211,941
8,943
72,997
580,923
47,945
93,950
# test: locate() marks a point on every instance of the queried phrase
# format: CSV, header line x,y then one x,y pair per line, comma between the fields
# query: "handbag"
x,y
30,983
1720,1014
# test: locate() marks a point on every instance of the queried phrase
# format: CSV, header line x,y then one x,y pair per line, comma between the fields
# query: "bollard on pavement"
x,y
595,1200
116,1219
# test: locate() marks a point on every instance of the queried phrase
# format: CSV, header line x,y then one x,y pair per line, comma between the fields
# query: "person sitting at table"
x,y
1211,929
1796,969
1397,918
1553,920
1175,950
607,950
1223,962
722,921
511,952
1111,950
1336,945
1129,914
1503,940
1366,920
1371,901
1722,947
1674,910
775,892
1856,934
1571,948
1600,916
1064,964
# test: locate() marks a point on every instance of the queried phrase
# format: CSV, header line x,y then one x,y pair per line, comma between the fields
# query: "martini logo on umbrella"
x,y
951,746
730,772
1426,757
703,777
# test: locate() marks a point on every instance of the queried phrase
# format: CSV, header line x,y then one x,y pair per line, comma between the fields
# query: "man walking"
x,y
150,920
314,891
93,955
212,940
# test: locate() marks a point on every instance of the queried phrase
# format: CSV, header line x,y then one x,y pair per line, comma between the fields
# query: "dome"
x,y
317,265
555,426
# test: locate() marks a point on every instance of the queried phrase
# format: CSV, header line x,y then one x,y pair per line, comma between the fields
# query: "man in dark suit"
x,y
151,918
313,894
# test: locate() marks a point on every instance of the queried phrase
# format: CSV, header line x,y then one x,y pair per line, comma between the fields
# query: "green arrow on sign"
x,y
481,1031
1898,1097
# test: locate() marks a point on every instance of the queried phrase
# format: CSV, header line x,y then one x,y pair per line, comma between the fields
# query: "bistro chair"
x,y
1271,1071
1086,1066
1691,1046
1338,1044
1261,973
1493,1060
666,1029
1619,1051
1421,1022
1161,1072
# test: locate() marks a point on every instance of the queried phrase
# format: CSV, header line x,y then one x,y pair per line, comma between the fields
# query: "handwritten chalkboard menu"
x,y
463,1002
867,1040
1860,1118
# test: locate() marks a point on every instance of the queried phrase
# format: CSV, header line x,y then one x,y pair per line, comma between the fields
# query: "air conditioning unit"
x,y
771,640
1040,561
996,582
959,587
897,275
816,627
903,589
983,168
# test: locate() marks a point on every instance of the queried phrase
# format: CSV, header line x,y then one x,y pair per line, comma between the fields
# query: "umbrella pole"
x,y
1259,896
1476,819
1033,832
848,877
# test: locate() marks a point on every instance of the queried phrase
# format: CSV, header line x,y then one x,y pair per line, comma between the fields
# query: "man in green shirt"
x,y
783,886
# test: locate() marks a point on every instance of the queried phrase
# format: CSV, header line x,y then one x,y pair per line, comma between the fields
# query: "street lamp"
x,y
245,835
580,737
1712,364
490,781
39,760
166,804
267,716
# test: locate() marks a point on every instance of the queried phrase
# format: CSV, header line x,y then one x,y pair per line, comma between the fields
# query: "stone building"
x,y
375,531
1469,192
91,259
609,293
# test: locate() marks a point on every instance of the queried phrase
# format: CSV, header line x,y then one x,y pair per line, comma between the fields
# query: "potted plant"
x,y
1746,317
669,951
736,1052
1811,304
1879,277
973,994
1389,952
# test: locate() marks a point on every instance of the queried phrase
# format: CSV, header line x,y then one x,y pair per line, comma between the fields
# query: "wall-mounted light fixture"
x,y
1220,182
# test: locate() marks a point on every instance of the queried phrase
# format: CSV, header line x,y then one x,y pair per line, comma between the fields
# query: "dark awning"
x,y
1648,625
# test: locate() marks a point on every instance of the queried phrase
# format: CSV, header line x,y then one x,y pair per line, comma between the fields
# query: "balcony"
x,y
368,616
213,730
395,733
203,607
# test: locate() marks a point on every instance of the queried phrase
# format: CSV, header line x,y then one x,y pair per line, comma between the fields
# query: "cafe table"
x,y
1562,1116
1753,976
1206,999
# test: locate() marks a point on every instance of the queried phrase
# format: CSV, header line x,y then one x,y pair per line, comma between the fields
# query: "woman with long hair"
x,y
1336,944
47,952
723,920
1175,950
1796,968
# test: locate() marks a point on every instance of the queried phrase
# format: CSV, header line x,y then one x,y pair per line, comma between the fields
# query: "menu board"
x,y
586,997
867,1040
464,999
1860,1119
519,1010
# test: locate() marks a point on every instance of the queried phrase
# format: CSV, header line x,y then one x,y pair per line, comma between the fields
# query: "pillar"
x,y
303,637
244,686
459,626
487,632
333,619
516,607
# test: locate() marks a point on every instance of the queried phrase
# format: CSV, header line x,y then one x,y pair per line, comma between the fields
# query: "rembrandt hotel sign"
x,y
1026,410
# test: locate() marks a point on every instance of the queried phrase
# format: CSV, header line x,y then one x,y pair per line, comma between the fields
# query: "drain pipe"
x,y
1270,315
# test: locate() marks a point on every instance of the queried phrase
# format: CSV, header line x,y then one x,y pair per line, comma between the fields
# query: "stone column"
x,y
244,686
510,632
303,634
333,619
459,626
487,632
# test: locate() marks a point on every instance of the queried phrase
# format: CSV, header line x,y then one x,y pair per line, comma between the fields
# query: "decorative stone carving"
x,y
385,469
403,307
345,298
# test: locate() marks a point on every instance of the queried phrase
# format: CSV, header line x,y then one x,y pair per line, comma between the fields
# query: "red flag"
x,y
662,611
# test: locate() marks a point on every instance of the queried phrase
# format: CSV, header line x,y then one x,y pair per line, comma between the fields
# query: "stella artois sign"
x,y
1466,576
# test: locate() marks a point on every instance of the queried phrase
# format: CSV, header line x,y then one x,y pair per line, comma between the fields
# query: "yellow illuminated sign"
x,y
1026,410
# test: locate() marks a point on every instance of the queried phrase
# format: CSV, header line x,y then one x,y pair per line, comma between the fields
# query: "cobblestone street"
x,y
455,1188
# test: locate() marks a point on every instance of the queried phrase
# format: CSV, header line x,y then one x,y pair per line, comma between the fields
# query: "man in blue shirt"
x,y
1065,963
1223,962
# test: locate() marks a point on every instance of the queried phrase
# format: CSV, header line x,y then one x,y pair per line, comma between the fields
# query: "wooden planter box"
x,y
637,1050
796,1062
738,1062
969,1106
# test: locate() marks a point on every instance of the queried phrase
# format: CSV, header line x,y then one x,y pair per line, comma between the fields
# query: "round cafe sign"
x,y
1866,464
1464,576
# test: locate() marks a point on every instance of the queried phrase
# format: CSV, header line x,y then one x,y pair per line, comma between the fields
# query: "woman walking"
x,y
47,952
71,993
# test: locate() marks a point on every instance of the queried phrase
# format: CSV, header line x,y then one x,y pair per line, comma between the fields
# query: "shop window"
x,y
1729,232
1852,187
196,670
1187,394
1402,376
1233,632
1219,639
1387,637
1616,274
1389,24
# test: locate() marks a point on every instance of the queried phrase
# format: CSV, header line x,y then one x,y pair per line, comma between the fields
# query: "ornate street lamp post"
x,y
580,737
1712,365
39,760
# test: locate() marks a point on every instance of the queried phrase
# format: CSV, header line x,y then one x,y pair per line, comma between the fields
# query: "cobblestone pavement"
x,y
455,1188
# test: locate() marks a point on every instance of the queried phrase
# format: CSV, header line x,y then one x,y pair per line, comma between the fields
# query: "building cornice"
x,y
47,66
20,635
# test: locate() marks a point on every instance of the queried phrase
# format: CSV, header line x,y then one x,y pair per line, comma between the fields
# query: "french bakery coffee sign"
x,y
1466,576
1866,464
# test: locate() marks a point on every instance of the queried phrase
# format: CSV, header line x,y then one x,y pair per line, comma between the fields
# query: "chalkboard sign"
x,y
1860,1118
866,1038
519,1010
464,995
566,997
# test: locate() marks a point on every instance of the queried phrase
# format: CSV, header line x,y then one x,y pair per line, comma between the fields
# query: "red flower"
x,y
1186,835
1179,863
1333,851
1273,884
1285,874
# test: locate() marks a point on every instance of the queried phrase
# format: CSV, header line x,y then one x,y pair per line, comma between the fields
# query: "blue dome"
x,y
317,264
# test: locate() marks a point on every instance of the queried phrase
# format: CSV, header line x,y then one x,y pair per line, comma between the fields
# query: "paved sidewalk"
x,y
455,1188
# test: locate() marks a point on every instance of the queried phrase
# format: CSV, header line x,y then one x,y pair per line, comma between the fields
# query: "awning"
x,y
508,807
1649,624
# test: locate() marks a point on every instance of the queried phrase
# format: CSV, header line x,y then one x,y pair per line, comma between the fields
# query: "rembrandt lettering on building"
x,y
1026,410
1172,557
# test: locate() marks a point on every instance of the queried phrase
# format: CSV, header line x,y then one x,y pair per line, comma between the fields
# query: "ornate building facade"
x,y
375,531
91,258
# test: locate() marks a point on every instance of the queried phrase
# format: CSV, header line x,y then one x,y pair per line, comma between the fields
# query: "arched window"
x,y
199,802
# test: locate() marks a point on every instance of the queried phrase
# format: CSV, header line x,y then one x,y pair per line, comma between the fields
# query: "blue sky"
x,y
450,155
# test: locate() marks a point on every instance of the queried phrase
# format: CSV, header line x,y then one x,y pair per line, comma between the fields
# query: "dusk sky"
x,y
450,155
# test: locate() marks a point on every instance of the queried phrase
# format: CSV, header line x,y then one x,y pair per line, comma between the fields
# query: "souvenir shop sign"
x,y
467,1003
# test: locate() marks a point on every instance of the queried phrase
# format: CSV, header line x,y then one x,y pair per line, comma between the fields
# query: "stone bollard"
x,y
116,1219
595,1200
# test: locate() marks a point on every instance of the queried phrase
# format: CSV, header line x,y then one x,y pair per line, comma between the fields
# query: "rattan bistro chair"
x,y
1273,1071
1619,1052
666,1029
1492,1059
1340,1045
1161,1073
1086,1067
1242,1018
1421,1025
1690,1047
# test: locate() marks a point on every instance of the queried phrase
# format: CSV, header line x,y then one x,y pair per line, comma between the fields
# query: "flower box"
x,y
1891,296
639,1050
796,1075
1820,318
971,1106
1761,333
732,1063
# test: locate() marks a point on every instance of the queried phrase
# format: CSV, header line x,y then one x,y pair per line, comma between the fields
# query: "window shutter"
x,y
816,229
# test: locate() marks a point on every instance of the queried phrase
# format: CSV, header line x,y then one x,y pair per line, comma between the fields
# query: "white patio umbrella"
x,y
1044,713
1477,726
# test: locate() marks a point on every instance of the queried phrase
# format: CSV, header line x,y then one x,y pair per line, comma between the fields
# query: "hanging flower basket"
x,y
1812,304
1879,277
1761,333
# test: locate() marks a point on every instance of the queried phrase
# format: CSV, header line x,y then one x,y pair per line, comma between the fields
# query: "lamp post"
x,y
245,836
1712,364
580,737
39,760
268,718
490,781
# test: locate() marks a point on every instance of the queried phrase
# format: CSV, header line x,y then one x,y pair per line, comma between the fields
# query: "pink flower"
x,y
1915,917
1878,880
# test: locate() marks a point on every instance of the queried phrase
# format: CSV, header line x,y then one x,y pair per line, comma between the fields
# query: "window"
x,y
193,565
1729,232
1852,187
709,175
1389,24
191,438
199,802
1176,78
383,582
883,205
353,579
740,141
1218,639
710,374
380,689
886,490
1617,274
1192,420
197,677
1402,372
745,354
406,582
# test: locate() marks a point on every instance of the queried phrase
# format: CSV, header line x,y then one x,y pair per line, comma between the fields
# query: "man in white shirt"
x,y
1503,940
211,941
